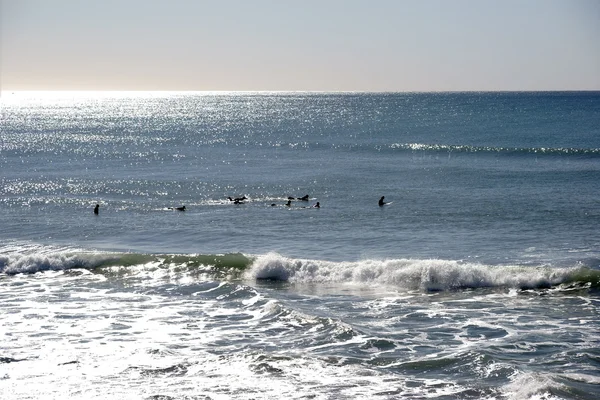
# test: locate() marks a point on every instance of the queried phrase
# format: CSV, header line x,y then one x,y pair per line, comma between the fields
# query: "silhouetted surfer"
x,y
318,205
238,200
289,203
303,198
381,202
182,208
96,209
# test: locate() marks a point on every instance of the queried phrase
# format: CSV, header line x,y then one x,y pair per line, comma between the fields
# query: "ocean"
x,y
478,279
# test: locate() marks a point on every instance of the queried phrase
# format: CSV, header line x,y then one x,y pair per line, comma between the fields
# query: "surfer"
x,y
182,208
318,205
96,209
381,202
303,198
289,203
237,200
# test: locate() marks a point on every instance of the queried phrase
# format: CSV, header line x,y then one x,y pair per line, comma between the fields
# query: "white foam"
x,y
531,386
406,273
34,258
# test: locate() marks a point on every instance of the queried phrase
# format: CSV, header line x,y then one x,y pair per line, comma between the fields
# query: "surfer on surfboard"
x,y
381,202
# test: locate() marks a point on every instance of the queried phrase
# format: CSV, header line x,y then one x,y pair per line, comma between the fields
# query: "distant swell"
x,y
443,148
429,275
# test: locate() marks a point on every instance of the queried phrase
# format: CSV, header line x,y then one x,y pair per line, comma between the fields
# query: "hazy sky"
x,y
317,45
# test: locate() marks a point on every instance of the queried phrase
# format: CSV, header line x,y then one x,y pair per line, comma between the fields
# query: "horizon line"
x,y
166,91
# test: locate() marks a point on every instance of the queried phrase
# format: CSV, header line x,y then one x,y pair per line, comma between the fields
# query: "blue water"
x,y
495,209
495,176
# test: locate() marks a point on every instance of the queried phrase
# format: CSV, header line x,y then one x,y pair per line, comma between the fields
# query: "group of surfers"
x,y
240,200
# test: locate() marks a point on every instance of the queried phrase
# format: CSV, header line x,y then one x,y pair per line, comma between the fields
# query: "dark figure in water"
x,y
381,202
318,205
237,200
96,209
289,203
182,208
291,198
303,198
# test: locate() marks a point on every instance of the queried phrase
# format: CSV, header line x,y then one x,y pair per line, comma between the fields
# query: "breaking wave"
x,y
429,275
417,274
32,259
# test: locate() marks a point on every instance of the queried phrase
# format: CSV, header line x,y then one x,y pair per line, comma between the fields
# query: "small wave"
x,y
532,386
32,259
429,275
443,148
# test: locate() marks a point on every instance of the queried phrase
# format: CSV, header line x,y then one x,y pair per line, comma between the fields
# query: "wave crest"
x,y
412,274
28,263
429,275
32,259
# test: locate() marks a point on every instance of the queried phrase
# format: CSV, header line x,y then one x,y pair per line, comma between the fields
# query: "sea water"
x,y
478,279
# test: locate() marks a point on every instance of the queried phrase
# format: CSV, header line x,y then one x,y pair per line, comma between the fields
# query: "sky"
x,y
308,45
